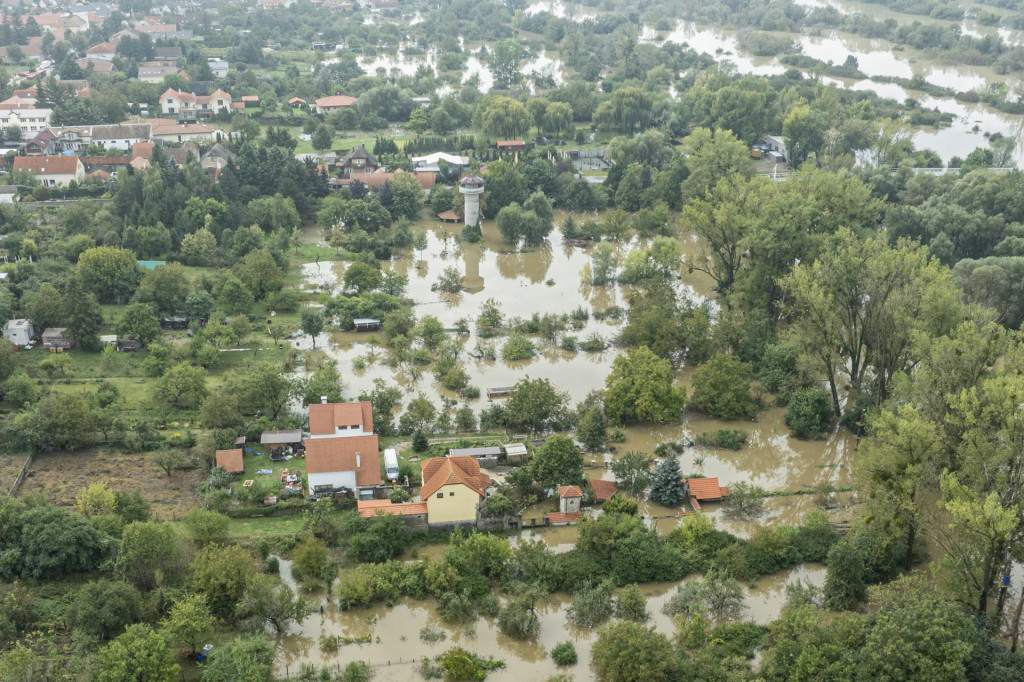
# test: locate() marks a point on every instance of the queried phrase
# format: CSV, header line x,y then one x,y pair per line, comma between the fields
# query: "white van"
x,y
391,464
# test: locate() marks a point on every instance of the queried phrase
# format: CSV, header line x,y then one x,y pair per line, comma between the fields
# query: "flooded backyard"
x,y
396,648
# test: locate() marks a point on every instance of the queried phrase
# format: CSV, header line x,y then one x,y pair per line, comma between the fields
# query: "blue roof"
x,y
151,264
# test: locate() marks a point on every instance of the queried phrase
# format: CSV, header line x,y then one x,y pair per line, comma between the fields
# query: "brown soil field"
x,y
60,476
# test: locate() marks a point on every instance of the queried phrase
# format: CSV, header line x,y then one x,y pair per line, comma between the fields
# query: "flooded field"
x,y
543,280
396,648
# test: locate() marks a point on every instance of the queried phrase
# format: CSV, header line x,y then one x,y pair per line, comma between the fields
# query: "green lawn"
x,y
266,526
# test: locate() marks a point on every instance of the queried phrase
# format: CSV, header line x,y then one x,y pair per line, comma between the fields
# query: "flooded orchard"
x,y
395,649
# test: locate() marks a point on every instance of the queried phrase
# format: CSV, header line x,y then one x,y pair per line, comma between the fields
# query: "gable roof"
x,y
231,460
569,491
603,490
327,455
47,165
358,152
704,488
102,48
336,101
323,418
441,471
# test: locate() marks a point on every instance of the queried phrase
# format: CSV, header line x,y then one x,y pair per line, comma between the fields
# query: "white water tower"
x,y
471,187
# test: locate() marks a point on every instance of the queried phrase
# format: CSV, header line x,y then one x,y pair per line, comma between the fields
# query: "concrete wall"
x,y
336,479
453,504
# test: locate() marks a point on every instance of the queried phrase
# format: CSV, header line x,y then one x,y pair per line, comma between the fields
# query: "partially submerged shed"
x,y
366,324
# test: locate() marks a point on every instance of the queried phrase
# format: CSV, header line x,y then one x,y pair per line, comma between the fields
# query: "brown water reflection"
x,y
396,640
545,280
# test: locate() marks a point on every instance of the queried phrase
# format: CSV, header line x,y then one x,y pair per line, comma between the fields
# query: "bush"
x,y
310,559
809,414
419,442
204,526
518,347
621,504
729,439
591,606
745,502
564,654
631,604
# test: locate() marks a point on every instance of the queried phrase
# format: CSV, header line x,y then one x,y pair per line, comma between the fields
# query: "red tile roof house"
x,y
342,452
705,490
327,105
52,171
453,488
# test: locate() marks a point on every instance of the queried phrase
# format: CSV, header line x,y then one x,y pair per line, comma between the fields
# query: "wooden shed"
x,y
231,461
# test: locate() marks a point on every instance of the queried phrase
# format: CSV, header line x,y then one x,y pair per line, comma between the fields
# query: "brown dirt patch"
x,y
10,467
59,477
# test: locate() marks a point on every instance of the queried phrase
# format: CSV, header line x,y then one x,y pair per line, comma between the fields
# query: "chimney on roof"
x,y
323,400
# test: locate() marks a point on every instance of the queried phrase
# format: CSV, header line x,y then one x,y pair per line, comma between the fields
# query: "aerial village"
x,y
547,340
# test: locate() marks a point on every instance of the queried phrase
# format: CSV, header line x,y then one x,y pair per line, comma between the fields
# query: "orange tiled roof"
x,y
336,101
559,517
704,488
441,471
324,417
325,455
370,508
569,491
603,490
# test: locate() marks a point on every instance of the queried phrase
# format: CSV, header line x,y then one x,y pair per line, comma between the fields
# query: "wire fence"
x,y
294,672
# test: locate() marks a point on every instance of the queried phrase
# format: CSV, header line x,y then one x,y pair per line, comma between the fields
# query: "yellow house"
x,y
452,489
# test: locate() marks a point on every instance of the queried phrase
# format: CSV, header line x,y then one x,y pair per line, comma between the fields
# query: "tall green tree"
x,y
139,655
667,486
82,316
639,389
109,272
557,462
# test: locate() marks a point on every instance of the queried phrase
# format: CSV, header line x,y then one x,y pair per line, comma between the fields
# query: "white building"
x,y
172,131
186,104
19,332
218,66
52,171
120,136
342,452
28,120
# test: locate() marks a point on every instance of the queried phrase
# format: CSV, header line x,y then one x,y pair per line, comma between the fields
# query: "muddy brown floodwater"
x,y
543,280
396,647
547,280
